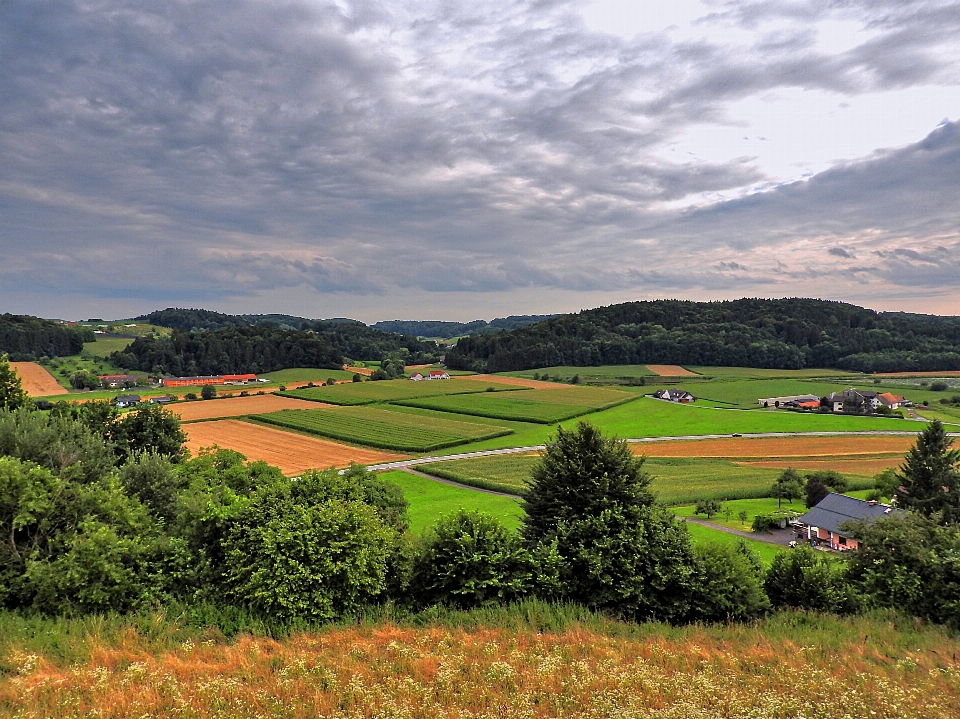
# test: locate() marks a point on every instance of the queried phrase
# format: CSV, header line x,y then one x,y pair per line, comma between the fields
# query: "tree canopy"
x,y
929,477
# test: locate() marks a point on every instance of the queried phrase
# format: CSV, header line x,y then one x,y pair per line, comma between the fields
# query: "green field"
x,y
703,535
752,507
105,346
587,374
429,499
376,427
360,393
62,367
675,479
543,406
305,374
754,372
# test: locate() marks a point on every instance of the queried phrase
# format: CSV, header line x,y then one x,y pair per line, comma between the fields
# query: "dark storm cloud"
x,y
192,150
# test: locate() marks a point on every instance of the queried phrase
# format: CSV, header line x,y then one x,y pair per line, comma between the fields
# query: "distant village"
x,y
849,401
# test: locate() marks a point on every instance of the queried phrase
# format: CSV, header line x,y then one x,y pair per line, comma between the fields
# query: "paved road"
x,y
404,463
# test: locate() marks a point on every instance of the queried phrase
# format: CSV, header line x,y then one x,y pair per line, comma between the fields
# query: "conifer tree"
x,y
929,477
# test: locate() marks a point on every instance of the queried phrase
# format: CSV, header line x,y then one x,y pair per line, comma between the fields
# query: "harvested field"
x,y
844,465
514,381
237,406
364,371
291,452
36,381
670,370
773,447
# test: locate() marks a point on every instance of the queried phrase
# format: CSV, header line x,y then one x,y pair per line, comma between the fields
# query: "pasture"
x,y
429,499
106,346
538,406
360,393
587,374
292,453
382,428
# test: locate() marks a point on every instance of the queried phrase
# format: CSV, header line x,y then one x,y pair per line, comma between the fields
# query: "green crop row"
x,y
383,429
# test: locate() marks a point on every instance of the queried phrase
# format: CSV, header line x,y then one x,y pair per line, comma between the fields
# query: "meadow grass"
x,y
429,499
359,393
756,372
305,374
730,509
376,427
587,374
105,346
542,406
529,659
766,551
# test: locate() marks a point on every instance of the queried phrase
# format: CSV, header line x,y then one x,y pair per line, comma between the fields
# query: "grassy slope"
x,y
429,499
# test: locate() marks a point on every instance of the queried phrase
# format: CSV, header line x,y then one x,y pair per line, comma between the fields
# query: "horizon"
x,y
348,158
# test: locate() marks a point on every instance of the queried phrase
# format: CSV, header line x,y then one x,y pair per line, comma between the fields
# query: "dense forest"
x,y
26,338
229,350
426,328
353,339
779,334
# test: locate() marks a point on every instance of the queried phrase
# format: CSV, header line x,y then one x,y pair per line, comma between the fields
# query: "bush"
x,y
939,386
357,378
729,583
282,388
469,559
330,382
208,391
190,396
805,579
708,507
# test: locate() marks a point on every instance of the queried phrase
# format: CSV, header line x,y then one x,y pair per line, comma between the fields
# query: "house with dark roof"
x,y
824,523
674,395
126,400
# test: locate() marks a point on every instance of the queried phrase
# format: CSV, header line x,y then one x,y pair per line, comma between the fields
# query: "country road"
x,y
406,463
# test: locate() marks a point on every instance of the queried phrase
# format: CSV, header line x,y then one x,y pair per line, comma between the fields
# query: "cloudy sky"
x,y
444,159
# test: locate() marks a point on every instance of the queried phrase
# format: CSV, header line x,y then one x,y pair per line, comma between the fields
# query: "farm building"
x,y
159,400
416,377
118,380
208,379
674,395
126,400
438,374
795,400
824,522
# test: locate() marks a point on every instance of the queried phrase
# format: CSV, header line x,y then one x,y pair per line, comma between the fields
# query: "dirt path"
x,y
36,381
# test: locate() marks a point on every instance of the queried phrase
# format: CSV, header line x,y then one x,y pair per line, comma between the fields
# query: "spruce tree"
x,y
12,395
929,477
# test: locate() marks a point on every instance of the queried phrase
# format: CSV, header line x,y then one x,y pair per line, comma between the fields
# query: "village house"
x,y
795,400
674,395
852,398
416,377
824,524
159,400
438,374
126,400
113,381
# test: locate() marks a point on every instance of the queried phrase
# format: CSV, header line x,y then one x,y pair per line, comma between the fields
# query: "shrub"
x,y
208,391
357,378
938,386
190,396
282,388
729,583
470,559
805,579
330,381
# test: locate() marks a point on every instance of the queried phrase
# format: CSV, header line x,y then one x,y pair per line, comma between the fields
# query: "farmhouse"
x,y
438,374
852,398
416,377
891,401
126,400
674,395
794,400
823,524
118,380
208,379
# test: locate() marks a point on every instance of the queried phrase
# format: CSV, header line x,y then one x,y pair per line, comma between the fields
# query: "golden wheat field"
x,y
858,671
239,406
36,380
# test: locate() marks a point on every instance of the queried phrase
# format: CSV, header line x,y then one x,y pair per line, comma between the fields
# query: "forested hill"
x,y
27,338
426,328
348,339
228,350
780,334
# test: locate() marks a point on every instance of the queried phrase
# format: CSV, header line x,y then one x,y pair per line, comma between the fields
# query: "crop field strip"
x,y
292,453
36,380
537,406
236,407
361,393
375,427
670,370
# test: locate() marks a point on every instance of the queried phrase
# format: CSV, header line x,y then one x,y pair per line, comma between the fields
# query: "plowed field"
x,y
365,371
670,370
36,381
238,406
866,467
769,447
514,381
291,452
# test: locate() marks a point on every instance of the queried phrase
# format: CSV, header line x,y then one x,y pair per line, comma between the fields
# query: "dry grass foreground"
x,y
670,370
292,453
512,381
36,381
239,406
859,672
776,447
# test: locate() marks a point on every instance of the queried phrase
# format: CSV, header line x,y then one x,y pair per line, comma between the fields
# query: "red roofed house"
x,y
438,374
891,401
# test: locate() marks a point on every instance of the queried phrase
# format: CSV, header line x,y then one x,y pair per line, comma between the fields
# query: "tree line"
x,y
101,513
427,328
26,339
777,334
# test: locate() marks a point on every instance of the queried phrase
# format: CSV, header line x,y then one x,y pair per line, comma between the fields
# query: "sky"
x,y
460,160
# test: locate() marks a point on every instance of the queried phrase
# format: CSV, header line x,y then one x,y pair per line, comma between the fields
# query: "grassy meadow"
x,y
306,374
528,660
360,393
380,428
429,499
